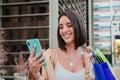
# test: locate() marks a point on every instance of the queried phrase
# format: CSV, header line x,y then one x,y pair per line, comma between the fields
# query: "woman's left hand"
x,y
87,56
88,53
89,49
88,64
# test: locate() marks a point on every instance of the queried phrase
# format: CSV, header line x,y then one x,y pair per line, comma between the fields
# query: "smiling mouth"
x,y
66,36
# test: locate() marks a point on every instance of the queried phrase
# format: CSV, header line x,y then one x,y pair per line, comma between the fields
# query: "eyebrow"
x,y
67,23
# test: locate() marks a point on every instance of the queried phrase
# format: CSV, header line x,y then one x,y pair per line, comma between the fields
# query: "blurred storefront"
x,y
26,19
106,25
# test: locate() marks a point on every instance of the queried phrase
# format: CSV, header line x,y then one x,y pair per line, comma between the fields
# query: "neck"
x,y
70,48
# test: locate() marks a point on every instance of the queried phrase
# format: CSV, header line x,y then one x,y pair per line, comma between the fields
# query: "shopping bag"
x,y
108,74
99,74
101,69
102,58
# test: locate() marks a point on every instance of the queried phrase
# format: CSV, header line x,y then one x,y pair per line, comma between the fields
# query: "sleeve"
x,y
89,73
43,76
43,72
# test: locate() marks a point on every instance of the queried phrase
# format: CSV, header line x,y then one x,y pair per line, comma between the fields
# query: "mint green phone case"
x,y
31,43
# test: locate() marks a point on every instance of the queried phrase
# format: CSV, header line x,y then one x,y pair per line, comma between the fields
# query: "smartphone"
x,y
31,43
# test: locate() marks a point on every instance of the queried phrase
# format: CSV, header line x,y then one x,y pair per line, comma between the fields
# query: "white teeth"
x,y
66,36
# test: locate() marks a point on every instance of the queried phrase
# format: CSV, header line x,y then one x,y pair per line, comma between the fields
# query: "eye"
x,y
60,27
69,25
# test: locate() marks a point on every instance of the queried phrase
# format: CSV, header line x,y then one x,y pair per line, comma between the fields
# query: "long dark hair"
x,y
79,29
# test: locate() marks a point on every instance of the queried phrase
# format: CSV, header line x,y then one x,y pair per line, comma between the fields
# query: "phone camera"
x,y
28,44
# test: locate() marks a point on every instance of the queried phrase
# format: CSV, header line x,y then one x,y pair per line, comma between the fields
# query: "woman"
x,y
68,62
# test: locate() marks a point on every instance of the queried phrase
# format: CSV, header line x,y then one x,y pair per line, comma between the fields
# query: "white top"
x,y
63,74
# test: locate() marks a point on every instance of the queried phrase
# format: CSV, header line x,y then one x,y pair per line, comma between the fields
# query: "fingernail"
x,y
34,46
43,50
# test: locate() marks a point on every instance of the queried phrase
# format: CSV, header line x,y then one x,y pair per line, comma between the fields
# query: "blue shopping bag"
x,y
99,74
108,74
101,69
100,57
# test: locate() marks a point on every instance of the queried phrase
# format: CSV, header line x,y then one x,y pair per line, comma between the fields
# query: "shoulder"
x,y
54,53
53,56
51,51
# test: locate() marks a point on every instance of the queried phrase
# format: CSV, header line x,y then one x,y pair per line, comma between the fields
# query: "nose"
x,y
65,28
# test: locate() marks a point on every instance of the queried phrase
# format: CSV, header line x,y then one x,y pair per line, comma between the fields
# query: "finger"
x,y
89,49
42,59
32,53
39,54
43,63
40,65
90,54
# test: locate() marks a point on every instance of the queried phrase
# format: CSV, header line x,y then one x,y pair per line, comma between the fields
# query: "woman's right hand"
x,y
35,63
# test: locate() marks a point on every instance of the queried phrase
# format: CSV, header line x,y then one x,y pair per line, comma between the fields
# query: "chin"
x,y
68,41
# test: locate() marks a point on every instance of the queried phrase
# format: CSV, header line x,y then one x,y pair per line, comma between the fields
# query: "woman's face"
x,y
66,30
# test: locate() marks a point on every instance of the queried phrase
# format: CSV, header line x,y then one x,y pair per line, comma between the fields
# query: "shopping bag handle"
x,y
95,57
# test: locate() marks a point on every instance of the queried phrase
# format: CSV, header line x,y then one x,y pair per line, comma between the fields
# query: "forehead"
x,y
64,19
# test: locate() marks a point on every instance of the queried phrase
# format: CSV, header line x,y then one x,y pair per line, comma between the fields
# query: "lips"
x,y
67,35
